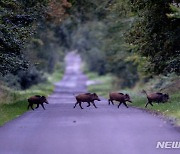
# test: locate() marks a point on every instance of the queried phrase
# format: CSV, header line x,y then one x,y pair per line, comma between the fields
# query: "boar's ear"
x,y
127,95
94,94
43,97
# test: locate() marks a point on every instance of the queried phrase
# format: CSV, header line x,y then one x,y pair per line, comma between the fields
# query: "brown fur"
x,y
37,99
120,97
86,97
156,97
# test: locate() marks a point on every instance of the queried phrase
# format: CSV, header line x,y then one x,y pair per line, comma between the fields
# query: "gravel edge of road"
x,y
171,121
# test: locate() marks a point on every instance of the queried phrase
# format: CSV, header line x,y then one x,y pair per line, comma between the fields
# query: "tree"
x,y
117,51
16,26
155,36
98,35
29,44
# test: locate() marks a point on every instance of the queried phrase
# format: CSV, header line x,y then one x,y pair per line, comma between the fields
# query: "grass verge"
x,y
171,109
14,103
105,84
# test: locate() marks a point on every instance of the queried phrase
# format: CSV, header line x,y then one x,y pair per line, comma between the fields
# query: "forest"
x,y
135,41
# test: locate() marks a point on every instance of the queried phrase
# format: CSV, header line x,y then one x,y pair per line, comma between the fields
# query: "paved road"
x,y
63,130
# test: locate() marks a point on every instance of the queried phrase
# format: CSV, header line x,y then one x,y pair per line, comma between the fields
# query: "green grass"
x,y
14,103
11,111
56,76
170,109
104,88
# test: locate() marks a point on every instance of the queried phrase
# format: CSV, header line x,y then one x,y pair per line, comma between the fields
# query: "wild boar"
x,y
156,97
37,99
120,97
86,97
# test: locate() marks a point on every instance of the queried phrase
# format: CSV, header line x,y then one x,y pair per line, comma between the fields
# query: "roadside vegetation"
x,y
104,84
13,103
31,51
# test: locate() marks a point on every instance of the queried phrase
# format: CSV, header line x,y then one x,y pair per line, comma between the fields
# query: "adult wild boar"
x,y
156,97
120,97
37,99
86,97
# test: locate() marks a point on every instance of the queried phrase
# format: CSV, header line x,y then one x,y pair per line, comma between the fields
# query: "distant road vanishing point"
x,y
61,129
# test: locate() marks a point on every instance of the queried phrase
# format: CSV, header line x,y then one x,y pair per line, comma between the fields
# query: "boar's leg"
x,y
75,104
125,104
80,104
110,101
151,103
146,104
94,104
88,104
119,104
32,106
28,106
37,106
42,106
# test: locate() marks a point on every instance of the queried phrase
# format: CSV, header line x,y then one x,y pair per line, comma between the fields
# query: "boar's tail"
x,y
144,91
161,89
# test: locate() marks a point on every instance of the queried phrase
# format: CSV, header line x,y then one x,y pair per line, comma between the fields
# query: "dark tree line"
x,y
128,38
122,37
156,34
29,46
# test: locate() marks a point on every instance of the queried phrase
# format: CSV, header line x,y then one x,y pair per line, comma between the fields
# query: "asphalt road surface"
x,y
61,129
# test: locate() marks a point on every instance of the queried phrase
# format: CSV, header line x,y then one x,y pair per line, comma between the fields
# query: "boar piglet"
x,y
37,99
155,97
120,97
86,97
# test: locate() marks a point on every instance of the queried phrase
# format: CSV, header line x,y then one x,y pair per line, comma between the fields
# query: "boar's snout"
x,y
44,99
127,98
165,97
96,97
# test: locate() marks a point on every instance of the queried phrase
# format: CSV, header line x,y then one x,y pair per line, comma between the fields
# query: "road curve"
x,y
60,129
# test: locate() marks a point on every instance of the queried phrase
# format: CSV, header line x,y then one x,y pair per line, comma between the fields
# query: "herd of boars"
x,y
113,96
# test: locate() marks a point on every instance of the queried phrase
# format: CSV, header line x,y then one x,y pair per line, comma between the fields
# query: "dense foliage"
x,y
29,45
156,34
127,38
99,37
117,51
15,28
122,37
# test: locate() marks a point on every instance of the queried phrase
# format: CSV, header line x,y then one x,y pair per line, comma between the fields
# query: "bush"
x,y
24,79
